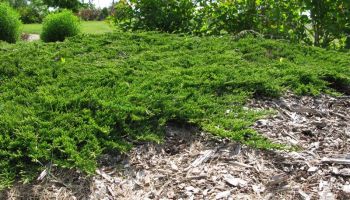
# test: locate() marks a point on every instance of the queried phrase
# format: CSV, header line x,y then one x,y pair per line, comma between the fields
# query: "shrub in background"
x,y
58,26
155,15
33,13
89,14
9,24
122,15
103,14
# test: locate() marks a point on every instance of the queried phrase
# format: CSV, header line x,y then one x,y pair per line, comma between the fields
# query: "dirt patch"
x,y
30,37
195,165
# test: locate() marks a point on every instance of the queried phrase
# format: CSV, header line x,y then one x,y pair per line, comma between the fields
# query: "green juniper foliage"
x,y
9,24
66,103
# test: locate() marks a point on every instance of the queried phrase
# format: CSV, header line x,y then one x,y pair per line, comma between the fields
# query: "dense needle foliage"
x,y
66,103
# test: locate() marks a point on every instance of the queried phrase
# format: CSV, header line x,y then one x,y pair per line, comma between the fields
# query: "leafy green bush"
x,y
58,26
104,14
321,23
33,13
9,24
156,15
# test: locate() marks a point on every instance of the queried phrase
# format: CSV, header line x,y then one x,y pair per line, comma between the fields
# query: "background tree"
x,y
16,3
34,12
163,15
31,11
328,20
282,19
344,18
322,23
67,4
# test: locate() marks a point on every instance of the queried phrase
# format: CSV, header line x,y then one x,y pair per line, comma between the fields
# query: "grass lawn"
x,y
32,28
64,104
90,27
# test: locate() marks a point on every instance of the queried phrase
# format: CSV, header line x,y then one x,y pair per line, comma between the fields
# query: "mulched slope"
x,y
195,165
320,127
67,103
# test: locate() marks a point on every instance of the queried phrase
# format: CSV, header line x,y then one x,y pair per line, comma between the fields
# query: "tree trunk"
x,y
347,42
316,36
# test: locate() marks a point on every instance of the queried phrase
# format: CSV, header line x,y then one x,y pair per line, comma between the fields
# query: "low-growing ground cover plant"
x,y
64,104
9,24
59,26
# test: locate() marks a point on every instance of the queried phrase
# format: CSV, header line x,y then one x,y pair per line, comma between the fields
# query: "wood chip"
x,y
162,188
277,179
42,175
258,188
304,195
173,166
104,175
326,195
224,194
234,181
240,164
342,161
110,190
201,176
344,172
346,189
312,169
203,158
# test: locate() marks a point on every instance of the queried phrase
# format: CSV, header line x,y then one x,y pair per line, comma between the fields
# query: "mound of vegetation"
x,y
9,24
64,104
58,26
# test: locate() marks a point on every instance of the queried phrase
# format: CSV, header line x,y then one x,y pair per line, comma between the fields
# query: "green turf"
x,y
66,103
95,27
89,27
32,28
